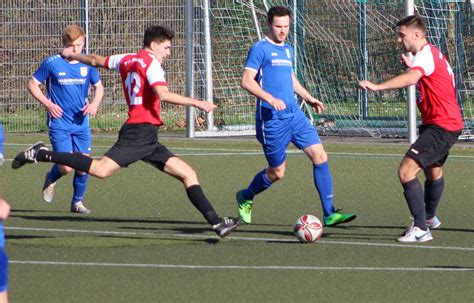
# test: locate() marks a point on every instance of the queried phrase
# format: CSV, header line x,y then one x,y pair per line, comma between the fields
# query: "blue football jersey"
x,y
67,85
274,66
2,236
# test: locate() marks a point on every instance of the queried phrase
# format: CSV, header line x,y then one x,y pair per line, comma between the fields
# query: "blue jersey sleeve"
x,y
95,78
42,73
255,57
2,235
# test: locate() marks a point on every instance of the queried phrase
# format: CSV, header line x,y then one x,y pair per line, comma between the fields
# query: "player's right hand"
x,y
55,110
405,60
4,209
364,84
207,106
66,52
278,104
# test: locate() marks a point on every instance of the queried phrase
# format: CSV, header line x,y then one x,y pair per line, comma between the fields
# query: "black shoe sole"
x,y
228,231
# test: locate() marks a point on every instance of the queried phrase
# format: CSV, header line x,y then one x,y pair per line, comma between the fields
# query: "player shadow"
x,y
244,230
33,211
468,268
166,238
212,239
24,237
179,230
327,234
72,217
403,228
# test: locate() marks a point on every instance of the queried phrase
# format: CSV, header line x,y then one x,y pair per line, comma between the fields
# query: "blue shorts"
x,y
3,270
275,136
67,141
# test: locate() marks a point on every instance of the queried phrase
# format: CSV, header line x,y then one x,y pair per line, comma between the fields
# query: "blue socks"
x,y
323,181
259,183
79,184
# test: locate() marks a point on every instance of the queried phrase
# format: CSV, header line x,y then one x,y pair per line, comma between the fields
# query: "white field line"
x,y
158,235
245,267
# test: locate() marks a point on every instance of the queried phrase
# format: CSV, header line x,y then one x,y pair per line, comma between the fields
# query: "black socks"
x,y
75,160
199,200
415,199
433,191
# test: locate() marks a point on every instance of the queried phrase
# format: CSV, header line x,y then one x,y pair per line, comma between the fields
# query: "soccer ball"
x,y
308,229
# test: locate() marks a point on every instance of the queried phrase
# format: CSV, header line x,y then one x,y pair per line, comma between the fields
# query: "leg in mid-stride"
x,y
428,153
105,167
77,141
323,182
274,140
179,169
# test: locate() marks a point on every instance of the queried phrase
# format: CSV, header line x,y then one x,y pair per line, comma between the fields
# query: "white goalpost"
x,y
336,43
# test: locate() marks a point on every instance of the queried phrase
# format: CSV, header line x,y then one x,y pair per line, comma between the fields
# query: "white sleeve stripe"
x,y
424,59
250,68
155,73
36,80
114,61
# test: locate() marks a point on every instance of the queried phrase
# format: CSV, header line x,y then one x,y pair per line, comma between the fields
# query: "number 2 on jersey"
x,y
133,85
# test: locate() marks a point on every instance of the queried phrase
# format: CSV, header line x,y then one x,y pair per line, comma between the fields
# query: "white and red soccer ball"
x,y
308,229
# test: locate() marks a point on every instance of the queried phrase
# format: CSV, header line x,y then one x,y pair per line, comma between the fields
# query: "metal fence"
x,y
31,31
330,53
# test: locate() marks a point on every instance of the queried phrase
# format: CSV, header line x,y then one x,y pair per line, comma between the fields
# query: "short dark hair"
x,y
279,11
413,21
157,34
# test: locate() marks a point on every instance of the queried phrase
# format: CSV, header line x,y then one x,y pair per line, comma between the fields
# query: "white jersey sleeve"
x,y
424,60
155,74
113,62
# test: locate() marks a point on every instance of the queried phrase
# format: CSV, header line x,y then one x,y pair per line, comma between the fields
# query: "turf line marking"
x,y
289,240
257,267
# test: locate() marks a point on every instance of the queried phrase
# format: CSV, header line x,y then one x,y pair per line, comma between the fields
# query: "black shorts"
x,y
432,146
139,142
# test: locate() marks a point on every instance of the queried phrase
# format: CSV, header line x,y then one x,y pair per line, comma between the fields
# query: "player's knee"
x,y
321,158
280,175
407,170
317,153
276,174
101,173
190,177
405,175
65,169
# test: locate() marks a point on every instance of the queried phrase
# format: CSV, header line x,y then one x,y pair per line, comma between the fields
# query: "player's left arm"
x,y
166,96
411,77
92,107
4,209
89,59
303,93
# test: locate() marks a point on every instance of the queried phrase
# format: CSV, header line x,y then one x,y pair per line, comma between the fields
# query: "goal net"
x,y
336,43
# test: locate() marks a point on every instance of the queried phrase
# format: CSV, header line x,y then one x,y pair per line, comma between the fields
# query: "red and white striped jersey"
x,y
140,72
436,93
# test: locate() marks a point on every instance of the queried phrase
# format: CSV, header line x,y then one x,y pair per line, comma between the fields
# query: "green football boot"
x,y
337,218
245,208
